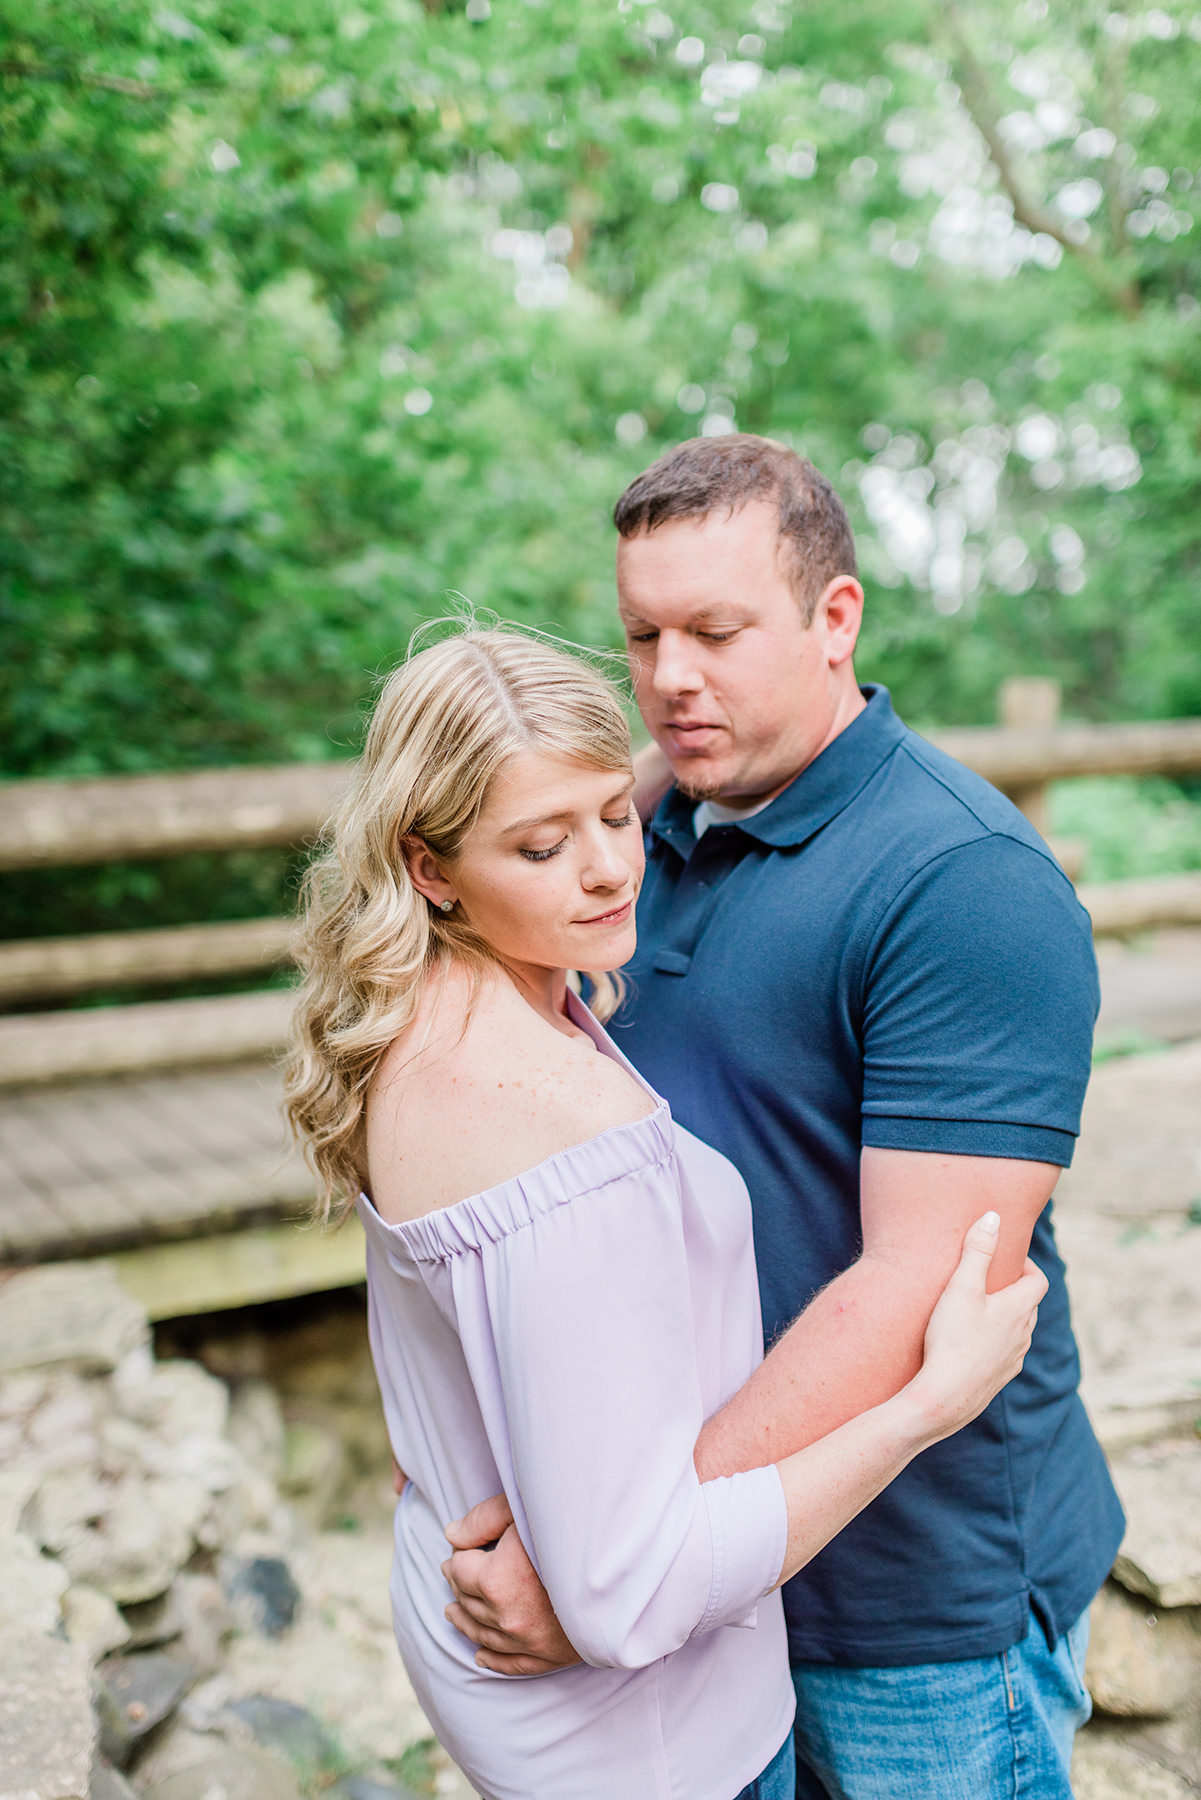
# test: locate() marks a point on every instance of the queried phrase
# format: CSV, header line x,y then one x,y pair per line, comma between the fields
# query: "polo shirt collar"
x,y
818,793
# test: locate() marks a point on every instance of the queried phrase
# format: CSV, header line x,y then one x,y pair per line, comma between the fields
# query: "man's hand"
x,y
499,1602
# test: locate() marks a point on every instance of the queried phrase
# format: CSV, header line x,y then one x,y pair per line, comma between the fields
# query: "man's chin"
x,y
693,786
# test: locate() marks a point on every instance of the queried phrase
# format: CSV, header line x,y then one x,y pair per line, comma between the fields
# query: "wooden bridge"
x,y
150,1133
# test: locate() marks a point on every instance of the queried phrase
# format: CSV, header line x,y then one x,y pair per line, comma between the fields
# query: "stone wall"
x,y
191,1602
194,1554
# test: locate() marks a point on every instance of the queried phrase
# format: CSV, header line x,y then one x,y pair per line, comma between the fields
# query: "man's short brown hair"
x,y
706,474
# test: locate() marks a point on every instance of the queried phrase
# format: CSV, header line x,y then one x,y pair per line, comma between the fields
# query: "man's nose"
x,y
675,669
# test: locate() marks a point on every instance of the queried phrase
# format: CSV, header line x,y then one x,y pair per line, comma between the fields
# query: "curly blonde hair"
x,y
447,721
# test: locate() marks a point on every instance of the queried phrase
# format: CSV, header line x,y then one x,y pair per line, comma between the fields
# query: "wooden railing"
x,y
50,824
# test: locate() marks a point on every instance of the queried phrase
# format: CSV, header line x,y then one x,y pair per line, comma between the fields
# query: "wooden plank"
x,y
240,1268
50,968
50,824
41,1047
55,823
1118,907
1015,758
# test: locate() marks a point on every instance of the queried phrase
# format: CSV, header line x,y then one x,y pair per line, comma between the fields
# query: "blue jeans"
x,y
777,1781
998,1728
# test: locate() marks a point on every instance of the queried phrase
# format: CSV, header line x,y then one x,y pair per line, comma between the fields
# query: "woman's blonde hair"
x,y
446,722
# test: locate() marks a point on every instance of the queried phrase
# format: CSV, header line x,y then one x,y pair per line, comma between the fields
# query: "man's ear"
x,y
424,872
839,612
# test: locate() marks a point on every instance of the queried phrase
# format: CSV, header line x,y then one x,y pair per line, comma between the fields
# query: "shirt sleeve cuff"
x,y
970,1137
748,1519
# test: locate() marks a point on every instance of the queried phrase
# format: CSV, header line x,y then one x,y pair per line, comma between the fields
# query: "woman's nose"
x,y
604,866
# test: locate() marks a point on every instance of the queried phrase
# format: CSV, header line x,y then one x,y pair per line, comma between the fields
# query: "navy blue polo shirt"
x,y
888,954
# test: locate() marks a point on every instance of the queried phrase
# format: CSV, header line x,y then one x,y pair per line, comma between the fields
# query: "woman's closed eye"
x,y
629,817
543,855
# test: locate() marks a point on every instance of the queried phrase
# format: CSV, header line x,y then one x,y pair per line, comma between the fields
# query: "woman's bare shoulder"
x,y
481,1090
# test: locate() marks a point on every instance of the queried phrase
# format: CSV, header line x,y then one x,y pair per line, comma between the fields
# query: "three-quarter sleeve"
x,y
578,1329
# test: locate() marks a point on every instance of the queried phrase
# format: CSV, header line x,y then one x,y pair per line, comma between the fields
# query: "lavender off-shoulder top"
x,y
563,1336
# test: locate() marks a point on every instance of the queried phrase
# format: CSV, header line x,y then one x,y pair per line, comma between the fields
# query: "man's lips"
x,y
614,916
691,734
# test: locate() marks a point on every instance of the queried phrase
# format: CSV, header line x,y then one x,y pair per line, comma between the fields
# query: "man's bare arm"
x,y
860,1340
856,1344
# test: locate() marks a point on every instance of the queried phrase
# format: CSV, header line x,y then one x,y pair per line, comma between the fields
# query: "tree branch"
x,y
981,109
1115,57
112,84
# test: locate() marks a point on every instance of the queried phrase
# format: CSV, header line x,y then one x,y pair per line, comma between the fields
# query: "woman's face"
x,y
549,874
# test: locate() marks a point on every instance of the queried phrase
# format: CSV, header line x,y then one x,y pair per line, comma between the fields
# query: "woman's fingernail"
x,y
991,1222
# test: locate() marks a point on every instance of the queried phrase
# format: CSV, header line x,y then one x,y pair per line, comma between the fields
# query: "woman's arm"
x,y
583,1358
974,1344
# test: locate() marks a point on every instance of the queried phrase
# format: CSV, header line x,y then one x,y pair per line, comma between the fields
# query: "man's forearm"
x,y
860,1340
856,1344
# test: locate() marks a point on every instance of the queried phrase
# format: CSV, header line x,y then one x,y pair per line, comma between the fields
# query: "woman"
x,y
561,1281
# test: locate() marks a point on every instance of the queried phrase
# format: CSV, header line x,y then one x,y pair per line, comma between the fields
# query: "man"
x,y
861,975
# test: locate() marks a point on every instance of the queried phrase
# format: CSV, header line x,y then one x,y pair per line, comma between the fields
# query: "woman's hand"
x,y
975,1341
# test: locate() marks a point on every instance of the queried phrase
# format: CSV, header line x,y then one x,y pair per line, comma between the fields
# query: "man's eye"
x,y
717,637
641,637
543,855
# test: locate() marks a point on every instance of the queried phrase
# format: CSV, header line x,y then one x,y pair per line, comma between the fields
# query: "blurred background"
x,y
314,316
320,319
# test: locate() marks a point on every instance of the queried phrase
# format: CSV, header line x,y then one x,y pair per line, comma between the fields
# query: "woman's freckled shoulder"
x,y
491,1097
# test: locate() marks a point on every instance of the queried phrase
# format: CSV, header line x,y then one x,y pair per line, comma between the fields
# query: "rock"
x,y
1104,1769
280,1725
108,1783
1160,1488
175,1400
193,1611
314,1466
263,1592
127,1536
20,1393
31,1585
154,1621
68,1314
1134,1305
231,1771
92,1621
256,1426
364,1431
1141,1664
1134,1103
248,1504
366,1787
19,1482
61,1430
174,1748
339,1660
47,1732
134,1694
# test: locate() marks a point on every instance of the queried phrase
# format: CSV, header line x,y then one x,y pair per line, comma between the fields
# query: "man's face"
x,y
736,690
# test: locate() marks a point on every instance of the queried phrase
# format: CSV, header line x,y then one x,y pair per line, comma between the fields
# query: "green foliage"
x,y
311,315
1129,826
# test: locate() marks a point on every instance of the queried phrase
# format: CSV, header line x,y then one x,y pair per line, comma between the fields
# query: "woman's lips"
x,y
615,917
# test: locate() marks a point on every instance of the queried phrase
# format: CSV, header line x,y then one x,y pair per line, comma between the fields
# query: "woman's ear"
x,y
424,872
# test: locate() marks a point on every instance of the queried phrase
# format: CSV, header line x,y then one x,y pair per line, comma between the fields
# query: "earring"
x,y
446,906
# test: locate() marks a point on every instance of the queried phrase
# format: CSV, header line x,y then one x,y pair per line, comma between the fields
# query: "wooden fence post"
x,y
1030,703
